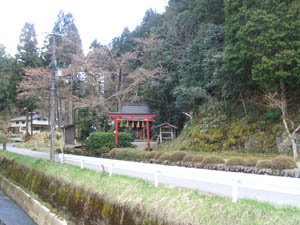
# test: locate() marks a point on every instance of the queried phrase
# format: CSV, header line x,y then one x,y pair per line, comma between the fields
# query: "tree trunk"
x,y
58,109
295,148
119,104
31,122
95,118
49,115
4,146
27,128
292,138
243,103
71,112
283,100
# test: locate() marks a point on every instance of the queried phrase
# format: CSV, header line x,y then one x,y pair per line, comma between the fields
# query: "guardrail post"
x,y
235,190
156,178
110,169
62,158
81,163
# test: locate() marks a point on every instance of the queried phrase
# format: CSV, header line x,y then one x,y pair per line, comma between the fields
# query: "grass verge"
x,y
186,206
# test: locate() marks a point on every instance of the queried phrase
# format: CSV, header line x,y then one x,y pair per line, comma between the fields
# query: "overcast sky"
x,y
101,19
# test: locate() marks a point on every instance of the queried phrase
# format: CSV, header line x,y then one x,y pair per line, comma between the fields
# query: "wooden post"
x,y
155,178
110,169
160,135
235,190
116,134
81,163
148,134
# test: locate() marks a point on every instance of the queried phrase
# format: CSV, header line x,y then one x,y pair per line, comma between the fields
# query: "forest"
x,y
225,72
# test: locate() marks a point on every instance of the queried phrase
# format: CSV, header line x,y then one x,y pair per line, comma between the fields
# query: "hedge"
x,y
283,162
97,140
235,162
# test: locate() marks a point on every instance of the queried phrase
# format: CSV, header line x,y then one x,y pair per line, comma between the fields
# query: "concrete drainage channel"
x,y
39,213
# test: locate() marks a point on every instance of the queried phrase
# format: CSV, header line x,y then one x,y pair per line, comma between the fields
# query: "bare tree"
x,y
275,101
121,81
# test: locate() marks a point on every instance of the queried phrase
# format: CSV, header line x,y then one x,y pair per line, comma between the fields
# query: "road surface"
x,y
167,175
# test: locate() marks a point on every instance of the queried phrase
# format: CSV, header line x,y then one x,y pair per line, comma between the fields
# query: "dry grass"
x,y
40,142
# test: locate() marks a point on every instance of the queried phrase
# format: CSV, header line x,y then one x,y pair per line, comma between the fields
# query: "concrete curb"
x,y
38,212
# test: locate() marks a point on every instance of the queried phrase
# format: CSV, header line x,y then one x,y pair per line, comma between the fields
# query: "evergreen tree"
x,y
124,43
151,21
67,41
263,42
95,44
10,74
28,51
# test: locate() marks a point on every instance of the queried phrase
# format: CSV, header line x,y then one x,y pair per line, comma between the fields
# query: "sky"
x,y
101,19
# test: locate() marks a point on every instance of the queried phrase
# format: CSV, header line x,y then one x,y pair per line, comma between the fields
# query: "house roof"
x,y
166,124
23,118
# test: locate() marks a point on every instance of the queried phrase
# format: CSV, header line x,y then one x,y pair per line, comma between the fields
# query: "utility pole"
x,y
52,99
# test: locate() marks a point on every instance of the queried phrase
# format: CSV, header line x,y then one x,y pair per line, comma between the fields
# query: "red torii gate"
x,y
116,117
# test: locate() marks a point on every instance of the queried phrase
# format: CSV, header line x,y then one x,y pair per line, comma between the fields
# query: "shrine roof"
x,y
134,109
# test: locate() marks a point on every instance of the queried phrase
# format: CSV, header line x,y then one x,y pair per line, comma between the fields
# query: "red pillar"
x,y
148,134
116,134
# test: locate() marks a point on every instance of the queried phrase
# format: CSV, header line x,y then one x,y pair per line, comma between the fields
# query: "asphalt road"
x,y
27,152
168,175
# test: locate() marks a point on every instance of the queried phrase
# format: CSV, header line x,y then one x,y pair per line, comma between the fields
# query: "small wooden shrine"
x,y
136,116
167,132
69,134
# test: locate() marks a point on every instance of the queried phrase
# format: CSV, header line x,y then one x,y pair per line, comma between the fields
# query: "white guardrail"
x,y
275,184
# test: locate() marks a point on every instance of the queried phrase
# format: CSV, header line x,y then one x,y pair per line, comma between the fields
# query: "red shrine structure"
x,y
134,115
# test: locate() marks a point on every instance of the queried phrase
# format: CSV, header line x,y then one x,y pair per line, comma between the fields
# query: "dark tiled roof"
x,y
166,124
142,109
135,108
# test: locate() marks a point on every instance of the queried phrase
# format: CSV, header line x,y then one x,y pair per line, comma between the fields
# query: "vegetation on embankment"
x,y
41,142
270,164
136,199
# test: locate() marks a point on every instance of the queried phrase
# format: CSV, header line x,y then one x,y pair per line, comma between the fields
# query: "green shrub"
x,y
165,156
188,158
252,161
157,155
141,155
235,162
132,155
150,155
113,153
125,154
212,160
283,162
198,159
177,156
74,151
273,115
264,164
98,140
4,138
102,151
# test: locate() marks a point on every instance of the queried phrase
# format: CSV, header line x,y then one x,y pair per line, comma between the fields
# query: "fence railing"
x,y
275,184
